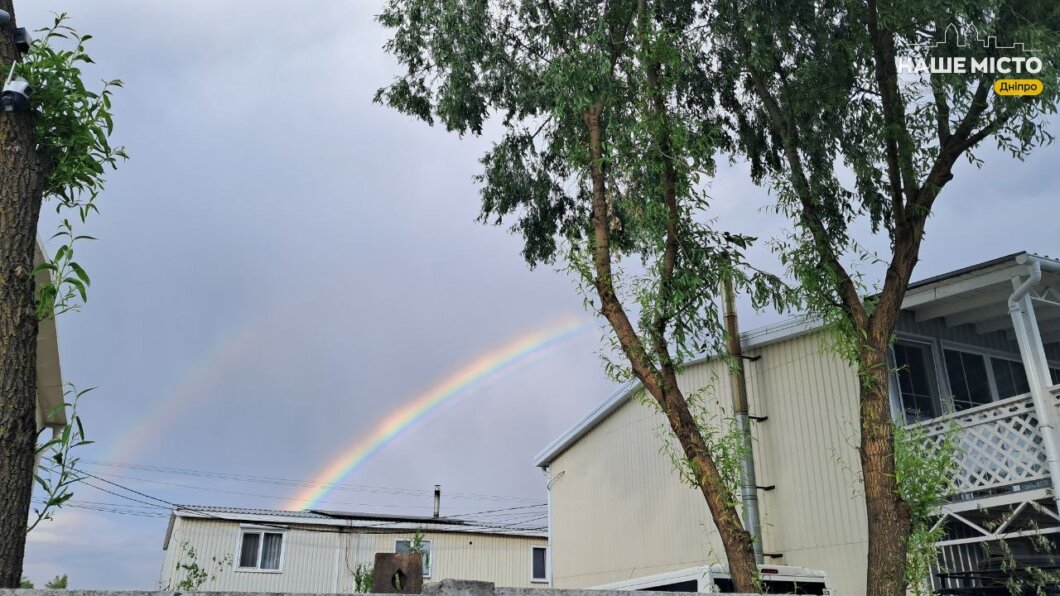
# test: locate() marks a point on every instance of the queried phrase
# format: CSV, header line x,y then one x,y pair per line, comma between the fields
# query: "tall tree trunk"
x,y
888,514
662,385
20,202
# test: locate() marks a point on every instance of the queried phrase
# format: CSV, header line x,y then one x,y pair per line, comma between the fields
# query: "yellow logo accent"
x,y
1018,87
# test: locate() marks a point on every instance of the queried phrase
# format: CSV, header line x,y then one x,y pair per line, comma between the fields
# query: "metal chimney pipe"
x,y
437,500
748,483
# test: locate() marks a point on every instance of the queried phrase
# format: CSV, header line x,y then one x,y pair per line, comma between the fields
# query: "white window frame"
x,y
548,570
430,553
262,530
986,353
942,385
974,351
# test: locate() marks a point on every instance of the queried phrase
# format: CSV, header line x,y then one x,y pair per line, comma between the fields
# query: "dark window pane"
x,y
968,379
916,381
403,546
539,563
248,554
685,586
1010,377
1055,372
270,551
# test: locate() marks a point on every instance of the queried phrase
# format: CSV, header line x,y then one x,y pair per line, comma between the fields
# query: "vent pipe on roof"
x,y
437,500
748,483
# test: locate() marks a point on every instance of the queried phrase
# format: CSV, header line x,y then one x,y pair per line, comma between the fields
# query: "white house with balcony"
x,y
977,350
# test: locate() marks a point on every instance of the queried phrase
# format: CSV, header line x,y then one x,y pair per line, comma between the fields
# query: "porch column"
x,y
1032,352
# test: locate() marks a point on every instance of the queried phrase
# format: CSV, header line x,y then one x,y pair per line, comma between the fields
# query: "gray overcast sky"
x,y
282,264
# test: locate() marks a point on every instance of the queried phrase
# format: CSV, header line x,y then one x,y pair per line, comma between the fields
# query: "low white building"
x,y
977,349
258,550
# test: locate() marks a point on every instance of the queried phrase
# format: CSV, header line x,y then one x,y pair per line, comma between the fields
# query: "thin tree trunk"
x,y
20,202
663,388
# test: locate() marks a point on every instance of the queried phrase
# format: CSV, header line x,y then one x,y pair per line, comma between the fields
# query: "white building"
x,y
256,550
978,348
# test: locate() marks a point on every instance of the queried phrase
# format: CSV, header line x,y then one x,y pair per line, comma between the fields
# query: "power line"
x,y
282,526
412,492
245,494
264,496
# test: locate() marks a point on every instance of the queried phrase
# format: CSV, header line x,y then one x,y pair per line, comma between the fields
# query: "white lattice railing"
x,y
999,444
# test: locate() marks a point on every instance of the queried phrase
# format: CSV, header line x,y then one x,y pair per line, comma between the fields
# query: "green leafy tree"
x,y
57,472
57,149
59,582
853,148
605,140
25,583
363,579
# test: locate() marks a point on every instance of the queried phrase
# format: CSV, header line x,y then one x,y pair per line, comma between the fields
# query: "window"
x,y
539,563
1009,377
969,379
917,386
405,546
260,550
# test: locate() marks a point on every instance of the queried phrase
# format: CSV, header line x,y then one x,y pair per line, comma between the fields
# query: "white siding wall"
x,y
619,511
324,561
816,516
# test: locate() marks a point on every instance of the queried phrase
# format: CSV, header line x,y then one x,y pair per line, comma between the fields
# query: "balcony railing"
x,y
998,444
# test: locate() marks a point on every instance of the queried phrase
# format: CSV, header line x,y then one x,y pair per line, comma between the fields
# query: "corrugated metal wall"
x,y
614,478
618,509
324,561
816,516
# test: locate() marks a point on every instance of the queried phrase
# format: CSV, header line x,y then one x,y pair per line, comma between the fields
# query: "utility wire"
x,y
283,526
265,496
413,492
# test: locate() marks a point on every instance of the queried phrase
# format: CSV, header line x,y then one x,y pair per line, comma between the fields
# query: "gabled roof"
x,y
756,338
989,274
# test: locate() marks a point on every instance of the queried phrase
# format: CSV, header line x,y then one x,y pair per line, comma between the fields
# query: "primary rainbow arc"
x,y
475,372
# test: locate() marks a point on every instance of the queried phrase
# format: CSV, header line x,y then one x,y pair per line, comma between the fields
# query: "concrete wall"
x,y
443,588
318,559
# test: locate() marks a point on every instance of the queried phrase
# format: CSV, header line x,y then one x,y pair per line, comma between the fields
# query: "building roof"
x,y
348,519
940,287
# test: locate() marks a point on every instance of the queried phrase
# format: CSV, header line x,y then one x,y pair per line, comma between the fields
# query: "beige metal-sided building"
x,y
978,348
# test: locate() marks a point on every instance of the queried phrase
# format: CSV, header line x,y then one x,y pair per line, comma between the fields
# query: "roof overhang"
x,y
348,521
976,295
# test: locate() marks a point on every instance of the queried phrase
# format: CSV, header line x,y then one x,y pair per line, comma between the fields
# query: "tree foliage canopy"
x,y
534,69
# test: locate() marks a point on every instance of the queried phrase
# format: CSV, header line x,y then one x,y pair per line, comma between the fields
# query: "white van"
x,y
715,579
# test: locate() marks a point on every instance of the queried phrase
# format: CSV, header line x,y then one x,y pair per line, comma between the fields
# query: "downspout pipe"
x,y
1025,325
738,383
550,479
